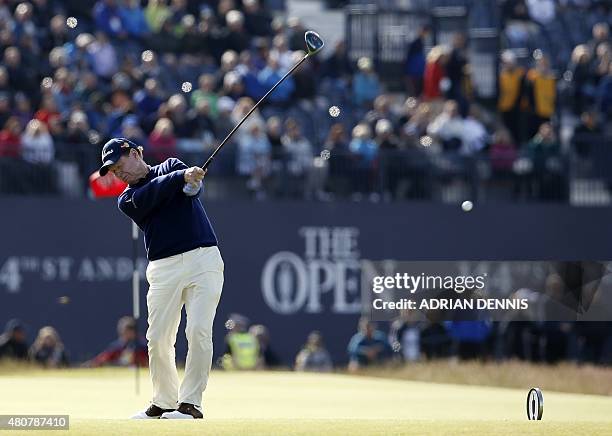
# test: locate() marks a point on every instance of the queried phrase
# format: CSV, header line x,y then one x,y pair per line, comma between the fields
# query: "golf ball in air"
x,y
325,154
186,86
334,111
71,22
467,206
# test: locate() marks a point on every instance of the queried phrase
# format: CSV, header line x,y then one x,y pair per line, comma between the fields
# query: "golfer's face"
x,y
125,169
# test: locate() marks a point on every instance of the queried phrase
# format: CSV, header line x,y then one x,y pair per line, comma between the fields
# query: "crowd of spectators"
x,y
176,76
411,337
47,349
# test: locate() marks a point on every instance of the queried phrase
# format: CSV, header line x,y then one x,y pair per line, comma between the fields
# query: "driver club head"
x,y
314,43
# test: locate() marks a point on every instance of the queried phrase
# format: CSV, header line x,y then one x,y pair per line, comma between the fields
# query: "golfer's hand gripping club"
x,y
193,180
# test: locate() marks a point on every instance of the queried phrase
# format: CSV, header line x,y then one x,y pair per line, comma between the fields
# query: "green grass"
x,y
99,400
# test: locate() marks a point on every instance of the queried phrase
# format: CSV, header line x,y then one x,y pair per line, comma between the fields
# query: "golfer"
x,y
185,268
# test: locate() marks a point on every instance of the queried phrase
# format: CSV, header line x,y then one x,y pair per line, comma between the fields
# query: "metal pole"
x,y
136,300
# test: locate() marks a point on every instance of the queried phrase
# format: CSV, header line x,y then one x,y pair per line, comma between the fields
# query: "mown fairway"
x,y
99,401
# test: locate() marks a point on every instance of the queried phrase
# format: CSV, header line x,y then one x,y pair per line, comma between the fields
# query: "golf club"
x,y
314,44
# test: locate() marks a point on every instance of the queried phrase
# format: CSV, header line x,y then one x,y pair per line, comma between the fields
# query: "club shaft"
x,y
230,134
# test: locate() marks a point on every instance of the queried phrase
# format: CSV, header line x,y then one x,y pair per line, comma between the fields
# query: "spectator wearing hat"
x,y
13,343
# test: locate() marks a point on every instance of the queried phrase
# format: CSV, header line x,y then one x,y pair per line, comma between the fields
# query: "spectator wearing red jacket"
x,y
434,73
48,112
10,138
128,349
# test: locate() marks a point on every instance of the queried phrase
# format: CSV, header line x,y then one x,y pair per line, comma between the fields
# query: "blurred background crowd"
x,y
176,76
251,346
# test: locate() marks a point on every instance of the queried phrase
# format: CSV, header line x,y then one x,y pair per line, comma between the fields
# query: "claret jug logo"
x,y
324,278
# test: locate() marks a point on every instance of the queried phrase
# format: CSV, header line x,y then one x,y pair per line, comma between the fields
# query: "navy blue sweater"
x,y
172,222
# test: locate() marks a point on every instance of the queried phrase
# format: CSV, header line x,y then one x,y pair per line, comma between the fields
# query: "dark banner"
x,y
294,267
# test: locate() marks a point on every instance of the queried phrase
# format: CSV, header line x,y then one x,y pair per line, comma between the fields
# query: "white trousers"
x,y
193,279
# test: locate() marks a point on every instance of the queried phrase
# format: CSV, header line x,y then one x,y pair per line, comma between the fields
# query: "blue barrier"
x,y
292,266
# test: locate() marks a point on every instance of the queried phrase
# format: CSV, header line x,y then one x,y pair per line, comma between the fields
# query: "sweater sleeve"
x,y
137,203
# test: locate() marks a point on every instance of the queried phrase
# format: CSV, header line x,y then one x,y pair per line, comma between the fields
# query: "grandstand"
x,y
175,77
